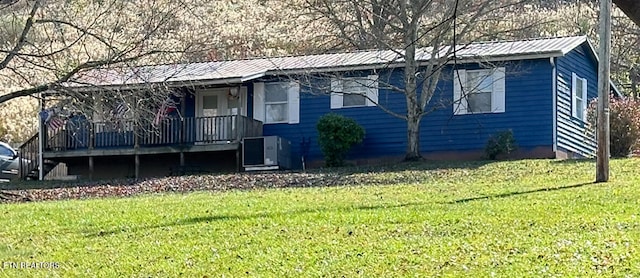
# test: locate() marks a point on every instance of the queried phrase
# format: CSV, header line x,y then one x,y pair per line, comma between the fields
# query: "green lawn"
x,y
527,218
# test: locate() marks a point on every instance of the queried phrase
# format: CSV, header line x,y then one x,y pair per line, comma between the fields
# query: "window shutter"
x,y
243,101
372,90
336,93
294,103
584,99
258,101
498,94
574,111
459,98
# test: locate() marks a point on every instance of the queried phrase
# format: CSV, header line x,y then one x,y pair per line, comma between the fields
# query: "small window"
x,y
276,102
479,91
480,84
579,97
354,92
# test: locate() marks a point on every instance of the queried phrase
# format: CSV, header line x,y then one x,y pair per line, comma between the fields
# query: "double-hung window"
x,y
276,102
479,91
578,96
354,92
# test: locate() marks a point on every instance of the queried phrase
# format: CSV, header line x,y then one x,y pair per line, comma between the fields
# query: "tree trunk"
x,y
414,111
413,139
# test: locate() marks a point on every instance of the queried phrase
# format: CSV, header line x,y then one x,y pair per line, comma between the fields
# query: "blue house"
x,y
538,88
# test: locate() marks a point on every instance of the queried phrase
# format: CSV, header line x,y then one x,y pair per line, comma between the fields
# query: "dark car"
x,y
9,163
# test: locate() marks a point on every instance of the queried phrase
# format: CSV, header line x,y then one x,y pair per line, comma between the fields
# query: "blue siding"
x,y
528,111
528,114
572,134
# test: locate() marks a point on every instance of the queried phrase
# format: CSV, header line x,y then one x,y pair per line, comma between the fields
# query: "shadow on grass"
x,y
516,193
338,174
578,161
400,166
249,216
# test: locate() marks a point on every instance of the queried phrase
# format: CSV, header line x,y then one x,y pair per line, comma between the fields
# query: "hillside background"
x,y
233,29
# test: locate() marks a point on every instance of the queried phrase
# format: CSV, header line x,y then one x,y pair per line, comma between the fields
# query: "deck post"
x,y
136,146
90,167
238,162
92,143
137,162
41,138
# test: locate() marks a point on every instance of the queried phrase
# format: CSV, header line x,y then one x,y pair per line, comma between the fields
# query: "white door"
x,y
214,108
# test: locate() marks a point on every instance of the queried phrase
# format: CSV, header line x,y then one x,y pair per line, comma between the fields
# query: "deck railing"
x,y
171,131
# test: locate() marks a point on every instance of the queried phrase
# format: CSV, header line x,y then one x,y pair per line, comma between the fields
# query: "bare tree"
x,y
404,26
48,44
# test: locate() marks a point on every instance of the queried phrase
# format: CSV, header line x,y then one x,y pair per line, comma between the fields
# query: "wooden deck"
x,y
201,134
100,142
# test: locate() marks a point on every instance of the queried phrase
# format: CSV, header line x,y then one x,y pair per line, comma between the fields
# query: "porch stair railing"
x,y
28,158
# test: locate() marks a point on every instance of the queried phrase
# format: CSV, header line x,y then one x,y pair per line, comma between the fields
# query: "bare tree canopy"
x,y
47,43
44,44
404,27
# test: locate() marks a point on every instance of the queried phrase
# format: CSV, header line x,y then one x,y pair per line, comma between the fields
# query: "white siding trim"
x,y
336,93
243,101
294,103
574,111
258,101
372,92
584,99
459,98
578,112
498,97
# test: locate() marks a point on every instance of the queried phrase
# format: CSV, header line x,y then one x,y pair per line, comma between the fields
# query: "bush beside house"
x,y
336,135
624,123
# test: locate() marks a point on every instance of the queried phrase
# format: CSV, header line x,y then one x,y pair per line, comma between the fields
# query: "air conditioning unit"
x,y
266,153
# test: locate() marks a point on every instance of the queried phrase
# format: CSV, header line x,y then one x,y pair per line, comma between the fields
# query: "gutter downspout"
x,y
554,104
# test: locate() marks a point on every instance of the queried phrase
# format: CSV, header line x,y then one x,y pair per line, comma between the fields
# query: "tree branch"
x,y
23,36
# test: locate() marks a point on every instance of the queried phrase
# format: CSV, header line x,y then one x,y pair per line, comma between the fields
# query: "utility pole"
x,y
604,68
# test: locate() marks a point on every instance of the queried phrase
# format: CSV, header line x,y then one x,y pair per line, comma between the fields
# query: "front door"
x,y
215,111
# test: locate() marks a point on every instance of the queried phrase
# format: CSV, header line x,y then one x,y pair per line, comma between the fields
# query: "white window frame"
x,y
276,103
578,112
293,102
461,88
369,83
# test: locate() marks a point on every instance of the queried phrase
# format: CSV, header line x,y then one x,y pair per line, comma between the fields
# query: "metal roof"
x,y
238,71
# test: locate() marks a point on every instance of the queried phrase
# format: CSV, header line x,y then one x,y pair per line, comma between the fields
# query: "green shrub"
x,y
336,135
500,143
624,125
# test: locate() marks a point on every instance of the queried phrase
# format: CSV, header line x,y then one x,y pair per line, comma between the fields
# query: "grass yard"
x,y
530,218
